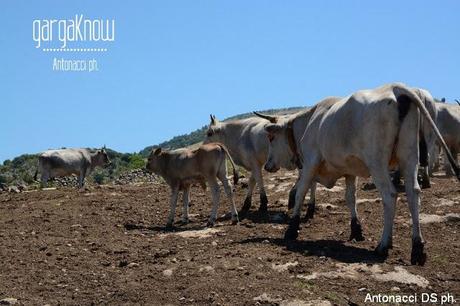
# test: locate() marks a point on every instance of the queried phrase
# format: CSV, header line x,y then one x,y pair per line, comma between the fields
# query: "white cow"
x,y
65,162
366,134
448,122
247,142
293,127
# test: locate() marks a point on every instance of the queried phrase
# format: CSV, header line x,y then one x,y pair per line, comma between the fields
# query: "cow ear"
x,y
272,128
157,151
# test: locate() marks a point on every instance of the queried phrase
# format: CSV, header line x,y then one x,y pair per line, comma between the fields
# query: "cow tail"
x,y
402,93
236,177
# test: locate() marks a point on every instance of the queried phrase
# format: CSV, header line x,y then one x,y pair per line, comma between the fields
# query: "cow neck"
x,y
292,144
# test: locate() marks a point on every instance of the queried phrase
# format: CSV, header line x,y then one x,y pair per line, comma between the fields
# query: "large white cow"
x,y
65,162
366,134
182,167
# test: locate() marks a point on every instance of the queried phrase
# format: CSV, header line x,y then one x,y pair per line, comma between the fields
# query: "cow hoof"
x,y
169,227
185,221
263,202
245,209
356,231
310,211
293,229
418,257
291,234
210,224
382,251
235,222
243,214
425,185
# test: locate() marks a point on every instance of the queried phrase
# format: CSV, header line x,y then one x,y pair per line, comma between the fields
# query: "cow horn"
x,y
213,119
272,119
157,151
458,102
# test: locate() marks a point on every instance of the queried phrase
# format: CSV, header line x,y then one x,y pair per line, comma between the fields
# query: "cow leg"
x,y
413,200
215,190
185,200
311,202
263,196
350,198
388,192
291,201
81,178
172,209
305,181
228,191
433,160
248,201
44,179
425,178
447,168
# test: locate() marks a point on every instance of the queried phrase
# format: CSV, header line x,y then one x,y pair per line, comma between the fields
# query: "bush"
x,y
99,178
136,162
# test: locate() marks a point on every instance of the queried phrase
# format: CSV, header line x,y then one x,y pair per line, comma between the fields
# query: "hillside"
x,y
21,169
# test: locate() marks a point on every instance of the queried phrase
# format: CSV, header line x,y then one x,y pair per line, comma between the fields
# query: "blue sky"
x,y
175,62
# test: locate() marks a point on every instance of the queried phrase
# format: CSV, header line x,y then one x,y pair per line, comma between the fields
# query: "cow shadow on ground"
x,y
178,227
334,249
258,217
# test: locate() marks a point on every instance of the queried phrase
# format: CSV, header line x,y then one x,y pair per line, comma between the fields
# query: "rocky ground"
x,y
107,245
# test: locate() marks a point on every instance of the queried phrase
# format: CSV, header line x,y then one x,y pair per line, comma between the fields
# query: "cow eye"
x,y
271,137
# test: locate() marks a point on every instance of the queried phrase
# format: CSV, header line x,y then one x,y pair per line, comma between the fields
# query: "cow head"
x,y
215,132
280,152
153,164
101,158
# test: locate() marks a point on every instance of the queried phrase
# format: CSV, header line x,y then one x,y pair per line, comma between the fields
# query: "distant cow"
x,y
247,142
65,162
448,122
366,134
183,167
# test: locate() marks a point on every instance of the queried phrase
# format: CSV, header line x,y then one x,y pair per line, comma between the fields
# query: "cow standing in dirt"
x,y
183,167
365,135
65,162
292,132
448,122
247,143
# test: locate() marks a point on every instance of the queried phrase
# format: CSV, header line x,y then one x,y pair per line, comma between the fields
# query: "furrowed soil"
x,y
107,245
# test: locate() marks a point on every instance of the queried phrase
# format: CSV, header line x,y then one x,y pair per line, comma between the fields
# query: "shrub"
x,y
136,162
99,177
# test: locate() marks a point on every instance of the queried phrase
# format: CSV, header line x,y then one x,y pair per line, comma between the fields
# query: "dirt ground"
x,y
107,245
